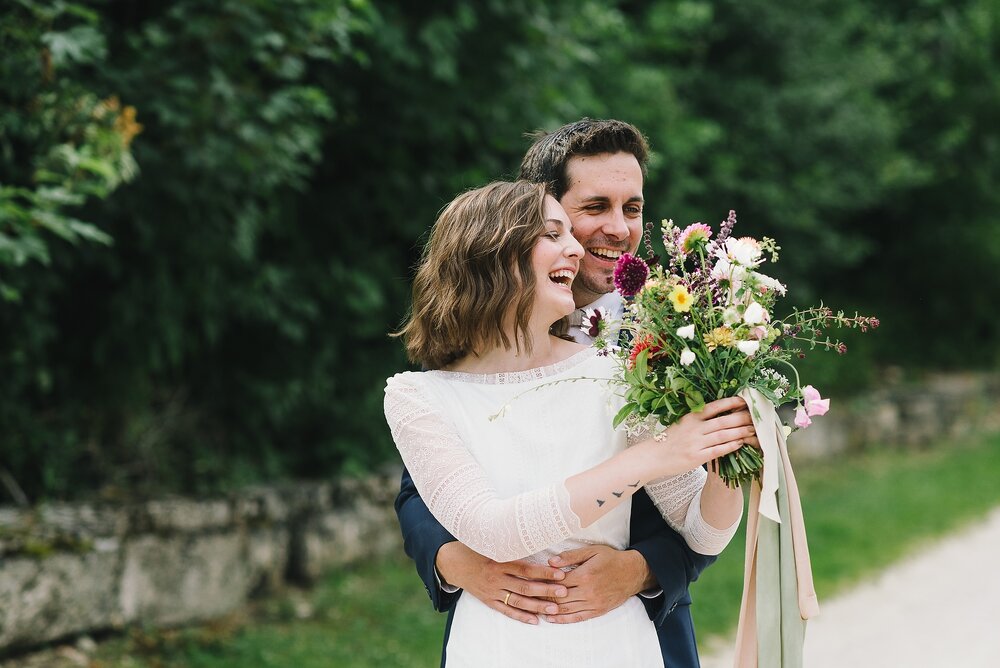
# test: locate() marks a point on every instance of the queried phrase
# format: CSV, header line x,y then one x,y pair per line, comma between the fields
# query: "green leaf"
x,y
695,401
80,44
623,413
641,364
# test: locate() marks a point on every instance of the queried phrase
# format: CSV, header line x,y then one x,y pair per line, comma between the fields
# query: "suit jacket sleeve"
x,y
423,536
674,565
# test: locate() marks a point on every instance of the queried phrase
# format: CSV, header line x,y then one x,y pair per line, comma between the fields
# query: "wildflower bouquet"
x,y
702,329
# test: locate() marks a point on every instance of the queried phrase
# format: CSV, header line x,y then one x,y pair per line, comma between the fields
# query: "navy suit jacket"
x,y
671,561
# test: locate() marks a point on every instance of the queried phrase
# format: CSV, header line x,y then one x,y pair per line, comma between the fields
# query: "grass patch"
x,y
863,513
374,615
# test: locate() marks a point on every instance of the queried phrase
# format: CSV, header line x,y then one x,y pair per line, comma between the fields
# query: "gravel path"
x,y
939,608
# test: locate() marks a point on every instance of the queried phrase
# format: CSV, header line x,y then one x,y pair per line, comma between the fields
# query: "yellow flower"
x,y
719,337
680,298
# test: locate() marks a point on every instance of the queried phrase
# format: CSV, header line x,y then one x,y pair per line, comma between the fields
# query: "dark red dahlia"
x,y
630,275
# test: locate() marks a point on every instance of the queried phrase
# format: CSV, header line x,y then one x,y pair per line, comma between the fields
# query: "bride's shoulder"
x,y
405,381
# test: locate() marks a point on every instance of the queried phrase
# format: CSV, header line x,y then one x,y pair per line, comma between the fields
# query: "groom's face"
x,y
604,203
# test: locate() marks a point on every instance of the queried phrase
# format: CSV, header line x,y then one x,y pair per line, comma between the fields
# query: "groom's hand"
x,y
518,589
603,579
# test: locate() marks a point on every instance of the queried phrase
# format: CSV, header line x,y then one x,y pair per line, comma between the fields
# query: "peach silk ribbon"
x,y
778,591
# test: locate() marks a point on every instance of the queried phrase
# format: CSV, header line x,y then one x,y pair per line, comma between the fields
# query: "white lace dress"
x,y
498,486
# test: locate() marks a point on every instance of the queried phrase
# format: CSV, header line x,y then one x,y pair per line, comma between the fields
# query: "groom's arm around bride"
x,y
605,579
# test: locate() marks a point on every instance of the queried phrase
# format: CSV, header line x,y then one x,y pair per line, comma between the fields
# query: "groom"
x,y
595,169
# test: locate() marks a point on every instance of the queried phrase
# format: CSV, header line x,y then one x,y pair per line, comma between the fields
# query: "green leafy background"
x,y
205,304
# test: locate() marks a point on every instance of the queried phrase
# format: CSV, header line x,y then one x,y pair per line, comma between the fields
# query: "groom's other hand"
x,y
529,585
603,579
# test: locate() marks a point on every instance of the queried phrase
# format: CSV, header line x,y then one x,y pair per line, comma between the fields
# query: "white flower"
x,y
724,270
755,314
687,357
743,251
768,282
748,348
594,321
686,332
731,316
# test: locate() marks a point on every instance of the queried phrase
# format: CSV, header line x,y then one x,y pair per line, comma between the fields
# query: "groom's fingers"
x,y
529,571
570,618
536,589
572,557
533,605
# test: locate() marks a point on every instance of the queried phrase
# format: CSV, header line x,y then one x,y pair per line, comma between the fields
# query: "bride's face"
x,y
556,261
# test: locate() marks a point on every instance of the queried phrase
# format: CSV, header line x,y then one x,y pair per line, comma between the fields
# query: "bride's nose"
x,y
573,249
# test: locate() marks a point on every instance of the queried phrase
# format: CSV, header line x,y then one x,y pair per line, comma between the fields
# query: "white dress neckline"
x,y
513,377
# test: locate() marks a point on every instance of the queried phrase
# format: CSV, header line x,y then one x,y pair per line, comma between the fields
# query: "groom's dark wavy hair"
x,y
546,159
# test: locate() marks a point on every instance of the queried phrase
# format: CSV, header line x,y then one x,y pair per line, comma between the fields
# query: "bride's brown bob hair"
x,y
476,273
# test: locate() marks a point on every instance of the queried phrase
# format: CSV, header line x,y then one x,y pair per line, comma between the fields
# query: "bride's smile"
x,y
555,260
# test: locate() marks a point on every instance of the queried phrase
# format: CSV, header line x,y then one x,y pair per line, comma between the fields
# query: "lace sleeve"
x,y
457,491
678,498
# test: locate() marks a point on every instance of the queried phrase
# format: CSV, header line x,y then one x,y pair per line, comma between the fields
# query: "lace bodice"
x,y
499,485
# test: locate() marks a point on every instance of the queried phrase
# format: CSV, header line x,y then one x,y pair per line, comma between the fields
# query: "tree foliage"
x,y
232,323
61,144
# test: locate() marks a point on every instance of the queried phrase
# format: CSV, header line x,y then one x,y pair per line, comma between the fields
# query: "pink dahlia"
x,y
694,234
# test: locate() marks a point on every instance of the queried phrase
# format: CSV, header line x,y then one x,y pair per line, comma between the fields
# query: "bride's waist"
x,y
629,614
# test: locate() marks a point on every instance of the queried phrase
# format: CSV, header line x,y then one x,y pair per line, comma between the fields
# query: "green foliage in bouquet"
x,y
702,329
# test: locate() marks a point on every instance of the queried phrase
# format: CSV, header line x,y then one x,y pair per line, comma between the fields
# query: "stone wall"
x,y
68,569
941,407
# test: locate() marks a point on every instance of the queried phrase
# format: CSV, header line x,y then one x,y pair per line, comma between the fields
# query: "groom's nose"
x,y
615,226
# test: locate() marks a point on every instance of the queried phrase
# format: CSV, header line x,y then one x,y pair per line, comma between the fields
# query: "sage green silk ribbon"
x,y
778,592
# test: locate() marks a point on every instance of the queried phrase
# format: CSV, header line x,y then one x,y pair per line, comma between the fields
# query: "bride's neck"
x,y
545,350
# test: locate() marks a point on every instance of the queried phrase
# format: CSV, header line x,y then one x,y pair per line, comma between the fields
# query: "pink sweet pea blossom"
x,y
802,418
815,405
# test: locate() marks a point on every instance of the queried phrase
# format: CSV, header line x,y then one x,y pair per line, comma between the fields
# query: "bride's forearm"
x,y
597,491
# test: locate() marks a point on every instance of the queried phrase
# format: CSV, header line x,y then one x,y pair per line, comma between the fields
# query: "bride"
x,y
550,474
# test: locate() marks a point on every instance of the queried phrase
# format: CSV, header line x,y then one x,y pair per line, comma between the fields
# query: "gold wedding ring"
x,y
506,598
